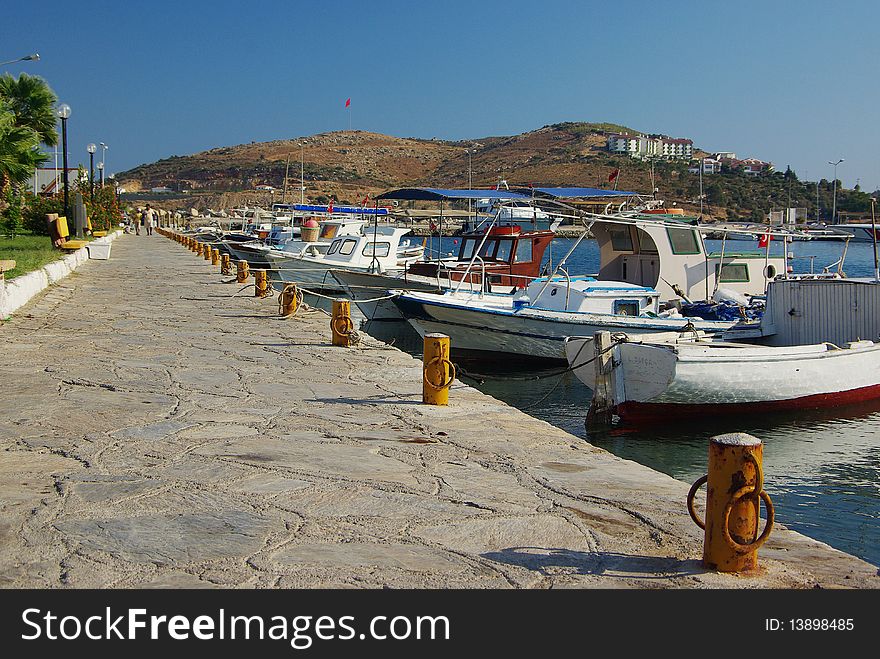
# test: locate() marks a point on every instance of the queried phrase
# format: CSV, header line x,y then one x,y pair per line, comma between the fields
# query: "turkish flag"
x,y
764,239
330,206
366,199
347,102
613,175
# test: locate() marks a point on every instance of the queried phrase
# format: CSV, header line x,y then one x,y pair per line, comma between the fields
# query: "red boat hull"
x,y
638,413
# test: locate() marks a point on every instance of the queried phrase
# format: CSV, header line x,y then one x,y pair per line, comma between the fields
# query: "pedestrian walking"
x,y
149,218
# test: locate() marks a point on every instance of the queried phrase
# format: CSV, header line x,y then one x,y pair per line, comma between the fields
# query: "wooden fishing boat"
x,y
644,378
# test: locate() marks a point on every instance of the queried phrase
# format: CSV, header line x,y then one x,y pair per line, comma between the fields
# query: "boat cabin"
x,y
376,250
669,254
508,255
587,295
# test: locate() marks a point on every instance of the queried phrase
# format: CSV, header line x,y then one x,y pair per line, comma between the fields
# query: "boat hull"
x,y
515,333
363,286
652,381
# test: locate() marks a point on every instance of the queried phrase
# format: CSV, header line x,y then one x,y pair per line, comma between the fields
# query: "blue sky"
x,y
790,82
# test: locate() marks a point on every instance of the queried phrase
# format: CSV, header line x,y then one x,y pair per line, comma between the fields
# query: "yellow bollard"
x,y
225,265
215,257
289,300
340,323
735,488
261,284
243,272
438,372
207,250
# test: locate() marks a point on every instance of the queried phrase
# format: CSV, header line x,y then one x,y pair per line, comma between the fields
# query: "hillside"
x,y
349,165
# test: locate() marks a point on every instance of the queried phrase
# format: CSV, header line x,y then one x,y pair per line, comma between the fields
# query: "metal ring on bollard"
x,y
440,362
690,500
725,532
346,321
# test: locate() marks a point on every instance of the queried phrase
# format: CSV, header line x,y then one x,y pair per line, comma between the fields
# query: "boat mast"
x,y
286,172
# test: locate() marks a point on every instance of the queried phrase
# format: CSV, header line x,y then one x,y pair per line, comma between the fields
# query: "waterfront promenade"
x,y
159,432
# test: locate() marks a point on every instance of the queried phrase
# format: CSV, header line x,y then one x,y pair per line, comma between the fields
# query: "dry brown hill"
x,y
349,165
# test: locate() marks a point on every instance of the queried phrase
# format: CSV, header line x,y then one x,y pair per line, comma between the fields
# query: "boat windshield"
x,y
329,231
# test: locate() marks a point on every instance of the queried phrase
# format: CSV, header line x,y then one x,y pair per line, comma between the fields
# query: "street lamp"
x,y
91,148
104,148
100,167
35,58
834,194
63,111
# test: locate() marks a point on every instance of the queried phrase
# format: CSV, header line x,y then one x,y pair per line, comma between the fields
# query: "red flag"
x,y
764,239
347,102
366,199
613,175
330,206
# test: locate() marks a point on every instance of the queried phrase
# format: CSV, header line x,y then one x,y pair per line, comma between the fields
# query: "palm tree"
x,y
19,149
32,102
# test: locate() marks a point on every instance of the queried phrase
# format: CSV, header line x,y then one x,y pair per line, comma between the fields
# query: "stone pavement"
x,y
158,432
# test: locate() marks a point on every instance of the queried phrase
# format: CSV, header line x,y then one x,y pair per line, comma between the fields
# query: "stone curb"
x,y
15,293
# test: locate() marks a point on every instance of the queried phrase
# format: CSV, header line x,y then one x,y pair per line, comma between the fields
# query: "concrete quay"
x,y
158,431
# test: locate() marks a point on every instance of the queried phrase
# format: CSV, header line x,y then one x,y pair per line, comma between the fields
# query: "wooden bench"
x,y
6,265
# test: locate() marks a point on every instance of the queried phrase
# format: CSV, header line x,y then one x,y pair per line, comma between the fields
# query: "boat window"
x,y
329,231
488,249
347,246
504,249
523,251
626,307
733,272
467,249
621,240
334,247
683,241
646,244
377,249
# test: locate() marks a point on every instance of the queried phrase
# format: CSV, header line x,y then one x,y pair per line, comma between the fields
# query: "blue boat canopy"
x,y
439,194
353,210
576,193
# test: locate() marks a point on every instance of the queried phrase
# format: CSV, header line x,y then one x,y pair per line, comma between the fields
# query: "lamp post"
x,y
27,58
100,167
104,148
91,148
834,194
63,112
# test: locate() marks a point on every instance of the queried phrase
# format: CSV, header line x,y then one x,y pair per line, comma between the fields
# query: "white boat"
x,y
373,249
509,256
256,251
861,233
644,379
536,321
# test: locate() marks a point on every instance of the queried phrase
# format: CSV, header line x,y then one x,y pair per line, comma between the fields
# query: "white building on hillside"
x,y
646,146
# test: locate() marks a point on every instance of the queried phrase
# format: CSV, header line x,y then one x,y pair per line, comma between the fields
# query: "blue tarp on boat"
x,y
576,193
439,194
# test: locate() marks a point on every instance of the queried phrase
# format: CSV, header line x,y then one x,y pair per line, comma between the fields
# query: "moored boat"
x,y
535,322
643,379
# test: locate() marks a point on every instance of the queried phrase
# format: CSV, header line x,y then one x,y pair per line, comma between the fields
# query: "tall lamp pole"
x,y
35,57
91,148
834,194
64,113
104,148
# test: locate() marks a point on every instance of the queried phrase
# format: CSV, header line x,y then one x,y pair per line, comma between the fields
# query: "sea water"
x,y
822,469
